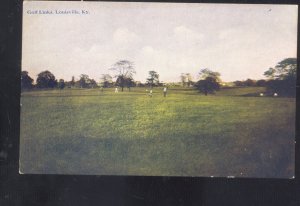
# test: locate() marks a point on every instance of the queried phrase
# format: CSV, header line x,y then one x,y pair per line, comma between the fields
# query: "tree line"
x,y
280,79
123,71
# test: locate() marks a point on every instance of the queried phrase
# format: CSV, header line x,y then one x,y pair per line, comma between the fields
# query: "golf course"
x,y
88,131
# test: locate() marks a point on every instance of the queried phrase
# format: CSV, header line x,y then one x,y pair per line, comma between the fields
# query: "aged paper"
x,y
158,89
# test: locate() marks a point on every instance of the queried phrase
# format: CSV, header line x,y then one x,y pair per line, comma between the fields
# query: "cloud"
x,y
147,50
185,35
124,37
169,64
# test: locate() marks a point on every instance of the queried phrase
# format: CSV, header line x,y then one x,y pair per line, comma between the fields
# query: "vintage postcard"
x,y
158,89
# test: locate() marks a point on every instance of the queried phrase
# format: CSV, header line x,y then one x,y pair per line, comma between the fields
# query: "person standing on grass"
x,y
150,93
116,90
165,91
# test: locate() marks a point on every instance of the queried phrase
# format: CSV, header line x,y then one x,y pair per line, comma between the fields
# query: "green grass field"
x,y
77,131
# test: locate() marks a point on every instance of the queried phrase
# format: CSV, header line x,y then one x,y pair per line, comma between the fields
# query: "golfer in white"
x,y
165,91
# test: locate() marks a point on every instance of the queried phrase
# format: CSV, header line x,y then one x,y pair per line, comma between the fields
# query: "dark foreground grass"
x,y
129,133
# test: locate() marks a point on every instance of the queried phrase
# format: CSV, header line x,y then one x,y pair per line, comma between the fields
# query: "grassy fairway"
x,y
91,132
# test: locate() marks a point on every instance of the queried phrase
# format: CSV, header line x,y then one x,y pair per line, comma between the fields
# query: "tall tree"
x,y
183,79
124,82
46,79
72,83
186,79
26,80
153,78
283,77
189,79
84,80
284,69
270,73
123,70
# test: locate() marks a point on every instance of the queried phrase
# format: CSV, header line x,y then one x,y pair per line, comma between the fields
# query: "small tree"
x,y
84,80
26,80
261,83
46,79
250,83
246,83
239,83
92,83
153,79
106,80
209,82
61,84
208,86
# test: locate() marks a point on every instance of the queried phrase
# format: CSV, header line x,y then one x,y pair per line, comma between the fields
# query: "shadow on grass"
x,y
265,155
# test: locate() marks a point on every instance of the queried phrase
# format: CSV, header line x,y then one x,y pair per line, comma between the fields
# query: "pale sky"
x,y
239,41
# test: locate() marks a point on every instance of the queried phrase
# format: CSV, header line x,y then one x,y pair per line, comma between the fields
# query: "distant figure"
x,y
165,91
275,94
261,94
150,93
116,90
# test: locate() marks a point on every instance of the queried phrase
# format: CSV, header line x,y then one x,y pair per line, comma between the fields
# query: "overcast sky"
x,y
239,41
